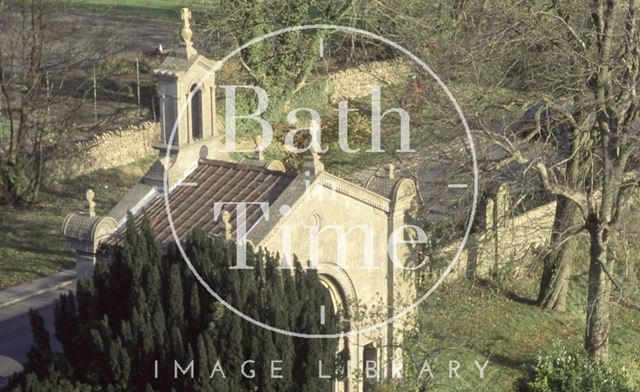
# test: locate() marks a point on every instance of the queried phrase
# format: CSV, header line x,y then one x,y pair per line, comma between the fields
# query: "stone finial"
x,y
186,33
313,164
90,204
391,171
226,219
259,150
186,47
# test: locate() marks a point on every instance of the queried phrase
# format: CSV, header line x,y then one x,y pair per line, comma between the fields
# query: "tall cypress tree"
x,y
174,298
66,321
218,383
202,362
39,357
145,307
120,365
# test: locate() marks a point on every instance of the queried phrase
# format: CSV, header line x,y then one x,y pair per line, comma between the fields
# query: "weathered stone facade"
x,y
364,276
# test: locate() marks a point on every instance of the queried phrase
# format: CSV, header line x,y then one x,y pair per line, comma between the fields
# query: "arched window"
x,y
196,113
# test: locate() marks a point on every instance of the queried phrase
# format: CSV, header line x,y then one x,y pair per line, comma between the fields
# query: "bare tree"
x,y
43,84
601,58
284,62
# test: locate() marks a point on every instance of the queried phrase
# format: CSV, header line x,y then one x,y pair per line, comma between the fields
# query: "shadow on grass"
x,y
506,361
510,294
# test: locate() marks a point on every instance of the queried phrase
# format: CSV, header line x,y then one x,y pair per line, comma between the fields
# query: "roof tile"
x,y
213,181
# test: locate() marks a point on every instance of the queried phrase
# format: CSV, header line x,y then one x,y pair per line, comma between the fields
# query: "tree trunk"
x,y
598,296
554,284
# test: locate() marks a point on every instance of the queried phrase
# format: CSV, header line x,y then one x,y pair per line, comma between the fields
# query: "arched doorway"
x,y
196,113
340,302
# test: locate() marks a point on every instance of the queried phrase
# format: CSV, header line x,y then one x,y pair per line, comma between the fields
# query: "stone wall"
x,y
109,149
354,82
123,146
504,241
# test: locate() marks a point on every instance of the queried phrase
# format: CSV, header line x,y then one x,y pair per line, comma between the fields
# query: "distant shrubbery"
x,y
562,371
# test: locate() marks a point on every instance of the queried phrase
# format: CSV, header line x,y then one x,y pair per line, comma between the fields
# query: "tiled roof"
x,y
191,202
382,185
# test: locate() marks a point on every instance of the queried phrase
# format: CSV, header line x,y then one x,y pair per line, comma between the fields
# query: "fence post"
x,y
138,82
95,96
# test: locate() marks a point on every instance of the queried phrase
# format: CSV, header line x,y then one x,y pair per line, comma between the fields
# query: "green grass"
x,y
32,247
467,321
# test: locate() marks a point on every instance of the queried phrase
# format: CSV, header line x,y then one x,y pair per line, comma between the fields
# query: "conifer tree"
x,y
120,365
218,383
39,357
66,321
143,310
174,297
202,361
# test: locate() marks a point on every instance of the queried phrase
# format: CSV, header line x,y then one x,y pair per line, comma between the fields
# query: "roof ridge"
x,y
241,166
359,187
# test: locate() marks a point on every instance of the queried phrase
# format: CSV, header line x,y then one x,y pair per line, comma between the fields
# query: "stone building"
x,y
359,272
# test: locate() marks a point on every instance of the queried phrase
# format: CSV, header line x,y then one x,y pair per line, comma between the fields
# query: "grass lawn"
x,y
31,245
467,321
